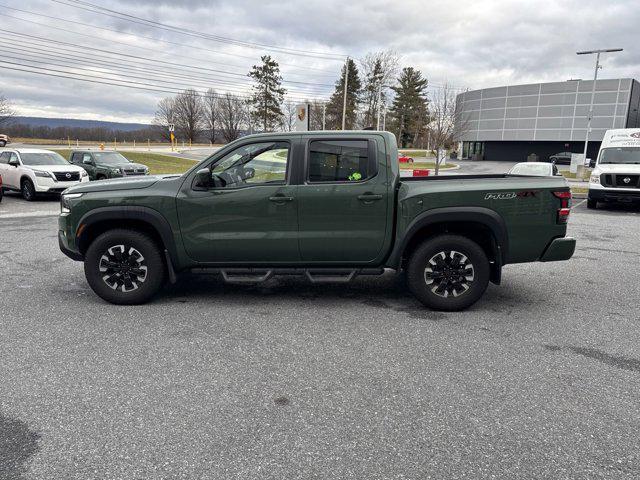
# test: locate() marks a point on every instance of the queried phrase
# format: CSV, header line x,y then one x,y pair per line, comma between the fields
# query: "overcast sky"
x,y
469,44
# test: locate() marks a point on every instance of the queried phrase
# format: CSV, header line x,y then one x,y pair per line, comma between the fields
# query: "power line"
x,y
110,52
168,42
146,87
194,33
107,75
45,56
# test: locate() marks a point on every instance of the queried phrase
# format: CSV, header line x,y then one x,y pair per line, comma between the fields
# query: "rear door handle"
x,y
369,197
280,199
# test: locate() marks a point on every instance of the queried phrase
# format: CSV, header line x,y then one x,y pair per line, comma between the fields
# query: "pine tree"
x,y
409,112
334,107
268,95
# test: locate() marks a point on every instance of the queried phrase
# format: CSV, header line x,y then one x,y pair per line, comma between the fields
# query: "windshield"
x,y
112,158
539,170
622,155
45,158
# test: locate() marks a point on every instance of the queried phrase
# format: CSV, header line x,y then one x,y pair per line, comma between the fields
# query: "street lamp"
x,y
380,104
593,89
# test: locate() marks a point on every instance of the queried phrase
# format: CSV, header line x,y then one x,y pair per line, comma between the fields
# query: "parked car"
x,y
616,176
337,210
102,165
4,140
561,157
404,158
33,171
537,169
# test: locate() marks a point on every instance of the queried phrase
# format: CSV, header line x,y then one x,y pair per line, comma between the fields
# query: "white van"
x,y
616,177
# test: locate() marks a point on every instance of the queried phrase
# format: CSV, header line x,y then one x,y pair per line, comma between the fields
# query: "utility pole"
x,y
324,115
379,106
593,91
344,99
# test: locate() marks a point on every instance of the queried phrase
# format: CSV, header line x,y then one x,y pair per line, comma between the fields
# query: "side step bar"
x,y
314,275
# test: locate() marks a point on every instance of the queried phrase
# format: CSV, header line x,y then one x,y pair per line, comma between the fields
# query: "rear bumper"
x,y
614,195
559,249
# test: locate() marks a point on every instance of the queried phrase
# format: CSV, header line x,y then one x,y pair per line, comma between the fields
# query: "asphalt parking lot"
x,y
540,379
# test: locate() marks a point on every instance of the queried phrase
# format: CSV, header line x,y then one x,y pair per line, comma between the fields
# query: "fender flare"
x,y
485,216
143,214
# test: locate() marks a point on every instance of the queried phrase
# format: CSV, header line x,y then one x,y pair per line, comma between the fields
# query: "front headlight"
x,y
41,174
594,179
66,201
117,171
83,173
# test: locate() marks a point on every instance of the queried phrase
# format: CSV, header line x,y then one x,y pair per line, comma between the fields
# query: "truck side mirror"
x,y
202,180
14,162
87,161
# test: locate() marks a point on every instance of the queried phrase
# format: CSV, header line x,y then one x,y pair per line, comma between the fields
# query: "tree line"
x,y
378,94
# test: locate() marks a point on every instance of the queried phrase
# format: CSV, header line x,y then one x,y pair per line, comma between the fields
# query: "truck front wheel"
x,y
124,267
448,272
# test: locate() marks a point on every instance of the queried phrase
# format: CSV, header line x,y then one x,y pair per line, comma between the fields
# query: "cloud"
x,y
468,43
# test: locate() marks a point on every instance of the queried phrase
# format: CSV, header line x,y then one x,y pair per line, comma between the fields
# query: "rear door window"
x,y
340,161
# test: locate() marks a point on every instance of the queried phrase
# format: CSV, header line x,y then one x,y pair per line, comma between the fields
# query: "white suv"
x,y
33,171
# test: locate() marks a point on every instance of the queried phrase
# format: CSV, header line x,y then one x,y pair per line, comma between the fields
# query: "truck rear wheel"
x,y
124,267
448,272
592,203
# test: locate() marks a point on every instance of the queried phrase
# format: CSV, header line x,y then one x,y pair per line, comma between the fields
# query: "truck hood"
x,y
55,168
617,168
124,165
131,183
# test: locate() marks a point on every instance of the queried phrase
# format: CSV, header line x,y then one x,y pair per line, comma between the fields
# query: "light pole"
x,y
380,105
593,91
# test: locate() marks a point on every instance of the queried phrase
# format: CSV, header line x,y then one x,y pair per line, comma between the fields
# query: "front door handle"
x,y
280,199
369,197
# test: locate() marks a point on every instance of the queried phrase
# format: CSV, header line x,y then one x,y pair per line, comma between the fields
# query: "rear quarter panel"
x,y
526,204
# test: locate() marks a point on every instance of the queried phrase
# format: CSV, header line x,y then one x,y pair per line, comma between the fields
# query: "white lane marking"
x,y
37,213
578,204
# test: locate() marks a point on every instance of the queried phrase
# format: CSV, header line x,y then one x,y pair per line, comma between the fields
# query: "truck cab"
x,y
616,176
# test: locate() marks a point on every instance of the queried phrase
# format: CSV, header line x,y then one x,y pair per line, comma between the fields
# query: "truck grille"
x,y
134,171
67,176
620,180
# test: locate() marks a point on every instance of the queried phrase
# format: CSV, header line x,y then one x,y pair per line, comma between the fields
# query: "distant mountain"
x,y
77,123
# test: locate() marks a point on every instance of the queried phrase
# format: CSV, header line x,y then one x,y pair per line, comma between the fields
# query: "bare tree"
x,y
447,122
379,69
6,110
288,119
233,112
211,113
165,116
188,114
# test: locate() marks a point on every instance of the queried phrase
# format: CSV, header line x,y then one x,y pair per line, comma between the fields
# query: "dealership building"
x,y
512,122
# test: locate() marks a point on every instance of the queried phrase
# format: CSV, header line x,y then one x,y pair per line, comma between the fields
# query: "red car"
x,y
404,159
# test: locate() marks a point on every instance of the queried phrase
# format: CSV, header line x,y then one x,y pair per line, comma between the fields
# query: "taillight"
x,y
565,204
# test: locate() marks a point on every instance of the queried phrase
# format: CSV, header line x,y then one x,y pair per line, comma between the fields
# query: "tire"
x,y
2,143
592,203
100,177
124,267
28,190
451,294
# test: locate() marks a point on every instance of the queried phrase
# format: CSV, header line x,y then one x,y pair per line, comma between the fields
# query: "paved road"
x,y
541,379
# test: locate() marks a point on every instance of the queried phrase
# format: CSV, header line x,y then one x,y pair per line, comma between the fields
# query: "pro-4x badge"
x,y
500,196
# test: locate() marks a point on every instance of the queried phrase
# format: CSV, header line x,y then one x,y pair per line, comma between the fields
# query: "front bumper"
x,y
49,185
66,238
614,194
559,249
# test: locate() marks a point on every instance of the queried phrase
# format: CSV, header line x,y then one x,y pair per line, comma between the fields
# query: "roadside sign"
x,y
302,117
172,128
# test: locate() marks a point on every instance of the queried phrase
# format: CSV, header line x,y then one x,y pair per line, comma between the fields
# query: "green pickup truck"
x,y
324,205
